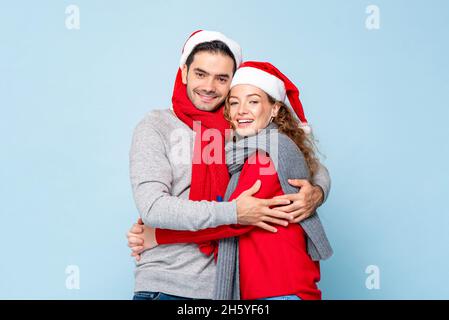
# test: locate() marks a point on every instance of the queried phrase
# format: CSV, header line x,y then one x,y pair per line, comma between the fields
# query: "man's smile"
x,y
206,98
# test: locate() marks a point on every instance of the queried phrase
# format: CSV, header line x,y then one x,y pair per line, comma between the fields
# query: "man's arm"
x,y
151,180
249,174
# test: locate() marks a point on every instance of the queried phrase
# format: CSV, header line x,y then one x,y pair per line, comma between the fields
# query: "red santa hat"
x,y
268,78
201,36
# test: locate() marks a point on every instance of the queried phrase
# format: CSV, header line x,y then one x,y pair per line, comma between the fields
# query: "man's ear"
x,y
184,74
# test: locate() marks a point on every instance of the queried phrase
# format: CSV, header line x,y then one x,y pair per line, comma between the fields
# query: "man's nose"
x,y
209,85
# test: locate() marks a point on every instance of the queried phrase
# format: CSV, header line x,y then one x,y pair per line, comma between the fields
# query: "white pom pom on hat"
x,y
201,36
268,78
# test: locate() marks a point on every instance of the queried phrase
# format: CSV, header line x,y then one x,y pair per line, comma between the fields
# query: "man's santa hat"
x,y
268,78
202,36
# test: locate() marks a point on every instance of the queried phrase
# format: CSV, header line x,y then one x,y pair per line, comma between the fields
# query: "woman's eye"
x,y
254,101
233,103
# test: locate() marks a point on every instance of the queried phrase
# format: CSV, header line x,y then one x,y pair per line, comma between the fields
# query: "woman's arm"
x,y
167,236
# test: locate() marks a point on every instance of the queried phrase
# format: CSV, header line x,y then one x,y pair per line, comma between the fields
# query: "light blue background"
x,y
70,99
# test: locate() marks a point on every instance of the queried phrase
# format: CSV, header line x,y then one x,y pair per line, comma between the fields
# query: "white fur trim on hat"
x,y
263,80
207,36
306,128
302,125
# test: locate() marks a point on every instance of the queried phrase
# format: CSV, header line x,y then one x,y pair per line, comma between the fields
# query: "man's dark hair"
x,y
215,46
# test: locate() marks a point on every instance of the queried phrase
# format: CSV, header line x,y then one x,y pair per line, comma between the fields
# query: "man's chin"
x,y
207,107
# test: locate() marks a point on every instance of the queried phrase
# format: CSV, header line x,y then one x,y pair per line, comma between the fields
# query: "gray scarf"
x,y
289,163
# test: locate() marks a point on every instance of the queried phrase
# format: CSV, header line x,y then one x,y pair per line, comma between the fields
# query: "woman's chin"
x,y
245,132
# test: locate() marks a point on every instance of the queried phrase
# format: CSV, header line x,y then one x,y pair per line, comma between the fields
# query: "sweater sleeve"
x,y
151,181
166,236
322,178
257,167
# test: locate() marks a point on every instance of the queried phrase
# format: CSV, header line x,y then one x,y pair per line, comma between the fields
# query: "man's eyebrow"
x,y
224,75
201,70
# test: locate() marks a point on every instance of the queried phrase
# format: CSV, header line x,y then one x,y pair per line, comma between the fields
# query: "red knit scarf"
x,y
209,180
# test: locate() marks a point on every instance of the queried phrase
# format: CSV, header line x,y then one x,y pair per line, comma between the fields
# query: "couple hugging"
x,y
227,183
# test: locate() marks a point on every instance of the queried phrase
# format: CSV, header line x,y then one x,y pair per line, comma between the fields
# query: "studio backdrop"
x,y
77,76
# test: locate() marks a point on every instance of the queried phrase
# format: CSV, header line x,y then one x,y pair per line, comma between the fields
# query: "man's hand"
x,y
257,212
304,203
141,238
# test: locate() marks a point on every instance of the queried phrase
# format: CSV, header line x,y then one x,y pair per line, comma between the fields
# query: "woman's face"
x,y
249,109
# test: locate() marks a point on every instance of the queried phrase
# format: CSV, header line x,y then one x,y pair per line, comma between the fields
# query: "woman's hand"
x,y
304,203
141,238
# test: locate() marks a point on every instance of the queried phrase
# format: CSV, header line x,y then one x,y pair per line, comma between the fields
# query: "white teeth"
x,y
245,121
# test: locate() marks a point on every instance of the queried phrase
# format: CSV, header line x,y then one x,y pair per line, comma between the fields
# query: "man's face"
x,y
208,79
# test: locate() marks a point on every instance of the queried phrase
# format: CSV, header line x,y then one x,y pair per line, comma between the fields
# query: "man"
x,y
170,188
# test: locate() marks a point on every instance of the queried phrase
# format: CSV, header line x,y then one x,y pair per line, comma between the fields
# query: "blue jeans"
x,y
148,295
290,297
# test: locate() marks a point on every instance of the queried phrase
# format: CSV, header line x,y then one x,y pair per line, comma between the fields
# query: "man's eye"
x,y
223,80
200,75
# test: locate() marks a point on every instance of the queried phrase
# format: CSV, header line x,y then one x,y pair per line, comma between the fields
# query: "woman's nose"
x,y
242,109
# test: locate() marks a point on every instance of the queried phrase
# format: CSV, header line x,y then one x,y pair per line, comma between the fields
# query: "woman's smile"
x,y
244,123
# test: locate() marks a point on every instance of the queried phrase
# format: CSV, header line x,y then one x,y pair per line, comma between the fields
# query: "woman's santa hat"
x,y
267,77
202,36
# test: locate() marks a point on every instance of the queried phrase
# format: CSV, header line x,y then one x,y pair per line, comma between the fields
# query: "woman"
x,y
269,145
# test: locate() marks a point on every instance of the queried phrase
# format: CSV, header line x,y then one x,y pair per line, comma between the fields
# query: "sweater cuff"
x,y
322,180
226,213
324,187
